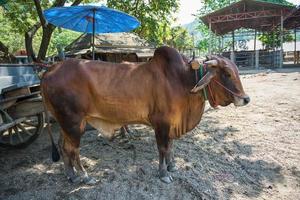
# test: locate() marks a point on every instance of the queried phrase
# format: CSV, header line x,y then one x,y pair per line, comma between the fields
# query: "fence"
x,y
291,57
247,59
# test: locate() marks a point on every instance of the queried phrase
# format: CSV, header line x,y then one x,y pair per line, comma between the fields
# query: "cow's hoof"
x,y
74,179
90,180
172,168
166,179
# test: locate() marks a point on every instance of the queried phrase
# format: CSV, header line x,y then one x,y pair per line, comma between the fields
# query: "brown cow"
x,y
162,93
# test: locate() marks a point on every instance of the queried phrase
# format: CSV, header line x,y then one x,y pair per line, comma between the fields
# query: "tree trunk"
x,y
3,48
47,33
8,57
28,41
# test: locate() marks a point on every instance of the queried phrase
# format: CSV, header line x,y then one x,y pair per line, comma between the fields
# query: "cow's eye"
x,y
228,75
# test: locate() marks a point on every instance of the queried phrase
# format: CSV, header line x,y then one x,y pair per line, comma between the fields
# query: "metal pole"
x,y
274,56
295,49
256,59
255,32
219,38
193,37
232,55
210,40
222,43
233,41
217,47
93,43
281,41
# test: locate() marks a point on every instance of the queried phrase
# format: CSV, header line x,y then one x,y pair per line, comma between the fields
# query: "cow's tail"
x,y
55,153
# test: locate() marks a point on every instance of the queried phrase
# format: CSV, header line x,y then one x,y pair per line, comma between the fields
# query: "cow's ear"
x,y
204,81
195,64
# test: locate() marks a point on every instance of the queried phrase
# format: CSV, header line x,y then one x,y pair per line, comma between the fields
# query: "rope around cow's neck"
x,y
202,71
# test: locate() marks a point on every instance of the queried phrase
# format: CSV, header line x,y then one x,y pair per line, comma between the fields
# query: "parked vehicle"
x,y
21,106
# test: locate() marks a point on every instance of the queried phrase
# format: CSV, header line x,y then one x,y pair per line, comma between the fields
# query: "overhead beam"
x,y
247,15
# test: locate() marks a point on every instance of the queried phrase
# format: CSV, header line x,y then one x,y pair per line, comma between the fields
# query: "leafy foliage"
x,y
155,17
19,16
60,39
180,38
8,35
273,38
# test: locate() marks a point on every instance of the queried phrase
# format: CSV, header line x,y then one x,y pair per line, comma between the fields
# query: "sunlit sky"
x,y
190,7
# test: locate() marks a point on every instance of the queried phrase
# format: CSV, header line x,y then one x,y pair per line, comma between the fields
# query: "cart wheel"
x,y
24,133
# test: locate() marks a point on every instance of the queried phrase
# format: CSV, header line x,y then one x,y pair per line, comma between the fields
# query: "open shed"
x,y
292,21
259,15
113,47
253,14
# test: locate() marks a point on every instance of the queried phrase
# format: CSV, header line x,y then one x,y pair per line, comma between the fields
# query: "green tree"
x,y
272,39
60,39
180,38
27,19
155,17
8,36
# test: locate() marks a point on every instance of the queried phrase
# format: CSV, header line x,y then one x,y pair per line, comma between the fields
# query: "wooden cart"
x,y
21,107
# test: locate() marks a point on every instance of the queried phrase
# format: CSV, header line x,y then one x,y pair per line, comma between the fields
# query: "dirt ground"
x,y
250,152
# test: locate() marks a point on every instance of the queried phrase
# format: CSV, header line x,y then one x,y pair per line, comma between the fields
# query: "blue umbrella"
x,y
91,19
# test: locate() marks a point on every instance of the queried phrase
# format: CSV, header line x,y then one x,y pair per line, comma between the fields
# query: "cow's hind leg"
x,y
69,146
164,144
83,174
67,150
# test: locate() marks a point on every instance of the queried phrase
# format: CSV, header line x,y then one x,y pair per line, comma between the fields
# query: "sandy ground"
x,y
251,152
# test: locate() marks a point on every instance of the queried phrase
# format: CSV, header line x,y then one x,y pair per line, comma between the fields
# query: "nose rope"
x,y
202,71
230,91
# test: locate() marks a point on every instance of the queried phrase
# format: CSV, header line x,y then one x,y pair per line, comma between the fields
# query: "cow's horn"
x,y
212,63
204,81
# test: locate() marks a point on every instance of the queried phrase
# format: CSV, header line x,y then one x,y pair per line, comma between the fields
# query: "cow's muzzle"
x,y
241,101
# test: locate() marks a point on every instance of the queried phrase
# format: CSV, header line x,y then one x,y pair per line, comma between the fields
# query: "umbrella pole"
x,y
93,40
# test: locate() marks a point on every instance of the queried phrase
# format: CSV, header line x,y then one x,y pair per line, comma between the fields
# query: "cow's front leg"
x,y
171,167
164,145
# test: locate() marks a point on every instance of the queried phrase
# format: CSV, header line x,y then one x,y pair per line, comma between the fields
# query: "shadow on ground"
x,y
211,166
